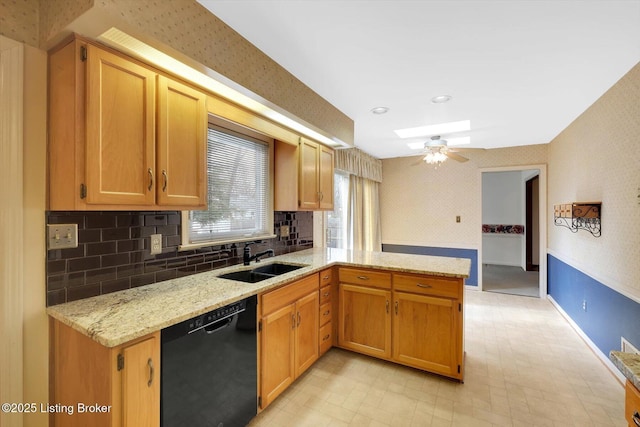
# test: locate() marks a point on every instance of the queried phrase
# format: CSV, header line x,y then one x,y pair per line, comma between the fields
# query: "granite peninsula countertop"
x,y
629,365
119,317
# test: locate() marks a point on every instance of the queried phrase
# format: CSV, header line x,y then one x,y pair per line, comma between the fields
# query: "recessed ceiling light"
x,y
441,99
439,129
379,110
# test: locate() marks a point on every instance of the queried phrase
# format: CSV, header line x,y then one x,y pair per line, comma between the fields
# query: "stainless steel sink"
x,y
260,273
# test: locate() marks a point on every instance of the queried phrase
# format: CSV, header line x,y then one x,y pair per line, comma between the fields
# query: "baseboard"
x,y
599,354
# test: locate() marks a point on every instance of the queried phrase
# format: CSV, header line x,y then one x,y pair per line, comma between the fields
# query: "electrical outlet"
x,y
458,218
62,236
584,305
156,244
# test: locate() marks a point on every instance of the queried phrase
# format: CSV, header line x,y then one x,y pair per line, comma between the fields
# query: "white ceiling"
x,y
521,71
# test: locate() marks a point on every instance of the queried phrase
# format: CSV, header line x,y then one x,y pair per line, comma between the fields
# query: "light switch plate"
x,y
62,236
156,244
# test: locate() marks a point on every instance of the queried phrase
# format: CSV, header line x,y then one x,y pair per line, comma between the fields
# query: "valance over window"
x,y
357,162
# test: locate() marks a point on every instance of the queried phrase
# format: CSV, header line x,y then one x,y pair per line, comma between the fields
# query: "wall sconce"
x,y
579,216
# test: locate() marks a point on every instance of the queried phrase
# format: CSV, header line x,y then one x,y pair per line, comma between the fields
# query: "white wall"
x,y
419,203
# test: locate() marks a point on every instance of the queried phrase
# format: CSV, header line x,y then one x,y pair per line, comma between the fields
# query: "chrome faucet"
x,y
247,257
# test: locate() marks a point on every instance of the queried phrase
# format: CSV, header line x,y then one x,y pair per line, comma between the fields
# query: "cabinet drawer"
x,y
427,285
325,313
287,294
376,279
325,295
632,404
325,338
326,277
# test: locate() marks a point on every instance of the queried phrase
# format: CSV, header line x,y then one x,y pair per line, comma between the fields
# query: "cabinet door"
x,y
120,139
276,353
424,331
325,178
308,180
365,320
141,384
181,149
306,336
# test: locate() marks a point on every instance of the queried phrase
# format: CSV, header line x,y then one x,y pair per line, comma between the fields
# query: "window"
x,y
337,219
239,199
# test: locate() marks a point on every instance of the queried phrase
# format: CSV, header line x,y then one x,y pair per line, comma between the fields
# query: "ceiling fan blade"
x,y
456,157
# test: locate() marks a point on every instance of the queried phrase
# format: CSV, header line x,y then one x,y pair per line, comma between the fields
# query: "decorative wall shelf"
x,y
578,216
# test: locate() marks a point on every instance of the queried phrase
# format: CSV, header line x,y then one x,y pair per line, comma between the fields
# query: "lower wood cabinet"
x,y
632,405
288,335
415,320
110,387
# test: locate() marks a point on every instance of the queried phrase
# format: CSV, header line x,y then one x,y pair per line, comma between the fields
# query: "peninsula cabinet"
x,y
288,335
415,320
122,135
364,312
105,387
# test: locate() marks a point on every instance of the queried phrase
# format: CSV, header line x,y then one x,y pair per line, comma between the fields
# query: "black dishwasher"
x,y
209,368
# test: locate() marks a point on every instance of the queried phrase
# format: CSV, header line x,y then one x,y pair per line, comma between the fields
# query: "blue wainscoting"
x,y
609,314
472,254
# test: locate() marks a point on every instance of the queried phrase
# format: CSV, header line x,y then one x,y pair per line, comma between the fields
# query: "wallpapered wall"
x,y
186,27
419,203
597,158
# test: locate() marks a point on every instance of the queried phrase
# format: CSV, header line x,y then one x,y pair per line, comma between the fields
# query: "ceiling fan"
x,y
436,152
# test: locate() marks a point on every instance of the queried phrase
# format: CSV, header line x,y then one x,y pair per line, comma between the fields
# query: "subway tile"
x,y
82,292
89,236
155,265
174,218
62,218
115,234
138,256
130,245
56,266
156,219
165,275
130,220
100,248
115,285
173,240
167,230
101,274
96,220
87,263
72,252
115,259
56,296
130,270
143,279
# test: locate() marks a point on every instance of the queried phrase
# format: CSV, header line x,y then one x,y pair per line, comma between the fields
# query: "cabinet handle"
x,y
325,278
293,321
396,308
422,285
387,306
326,337
166,180
150,179
326,294
363,278
321,196
326,313
150,363
299,318
636,418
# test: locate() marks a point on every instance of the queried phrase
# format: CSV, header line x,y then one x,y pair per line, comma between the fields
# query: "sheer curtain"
x,y
363,212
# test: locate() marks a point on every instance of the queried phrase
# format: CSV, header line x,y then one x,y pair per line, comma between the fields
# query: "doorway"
x,y
513,232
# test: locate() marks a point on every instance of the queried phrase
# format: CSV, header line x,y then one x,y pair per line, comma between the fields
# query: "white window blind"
x,y
238,200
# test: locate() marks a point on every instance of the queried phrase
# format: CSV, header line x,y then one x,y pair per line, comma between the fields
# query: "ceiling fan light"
x,y
441,99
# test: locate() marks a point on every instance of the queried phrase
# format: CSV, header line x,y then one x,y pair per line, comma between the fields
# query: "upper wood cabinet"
x,y
121,134
303,176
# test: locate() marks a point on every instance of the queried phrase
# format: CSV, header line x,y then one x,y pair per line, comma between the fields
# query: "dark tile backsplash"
x,y
113,251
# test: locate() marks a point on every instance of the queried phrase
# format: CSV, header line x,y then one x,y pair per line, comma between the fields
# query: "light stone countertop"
x,y
116,318
629,365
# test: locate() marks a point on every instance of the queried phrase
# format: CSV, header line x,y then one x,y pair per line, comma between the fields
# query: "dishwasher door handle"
x,y
217,328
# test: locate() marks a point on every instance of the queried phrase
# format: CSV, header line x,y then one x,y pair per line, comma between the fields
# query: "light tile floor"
x,y
525,366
